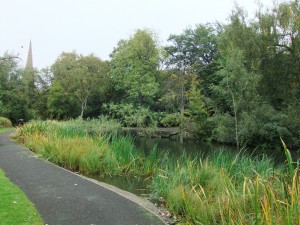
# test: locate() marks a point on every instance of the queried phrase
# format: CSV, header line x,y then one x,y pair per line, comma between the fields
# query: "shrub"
x,y
4,122
131,116
171,120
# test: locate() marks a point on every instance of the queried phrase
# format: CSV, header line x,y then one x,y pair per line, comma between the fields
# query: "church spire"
x,y
29,64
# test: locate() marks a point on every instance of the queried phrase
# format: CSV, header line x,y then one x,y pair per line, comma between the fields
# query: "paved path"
x,y
64,198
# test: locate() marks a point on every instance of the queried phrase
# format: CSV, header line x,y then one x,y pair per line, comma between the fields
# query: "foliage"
x,y
5,123
15,208
171,120
99,125
168,97
279,28
195,50
131,116
133,67
14,102
80,76
62,104
293,123
238,87
42,83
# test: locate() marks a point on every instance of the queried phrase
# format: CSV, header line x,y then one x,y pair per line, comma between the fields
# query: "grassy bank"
x,y
85,150
221,188
15,208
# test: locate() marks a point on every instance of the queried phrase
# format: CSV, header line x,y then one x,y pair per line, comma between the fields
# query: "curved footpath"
x,y
65,198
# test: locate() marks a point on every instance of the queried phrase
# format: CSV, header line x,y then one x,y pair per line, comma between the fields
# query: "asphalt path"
x,y
65,198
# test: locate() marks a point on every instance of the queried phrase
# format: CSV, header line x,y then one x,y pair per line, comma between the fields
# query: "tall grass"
x,y
230,189
221,188
69,145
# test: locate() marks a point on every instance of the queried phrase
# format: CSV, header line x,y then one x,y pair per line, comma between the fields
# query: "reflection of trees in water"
x,y
190,146
176,148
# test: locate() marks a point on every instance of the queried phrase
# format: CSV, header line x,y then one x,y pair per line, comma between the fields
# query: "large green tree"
x,y
195,51
134,65
279,31
238,87
258,76
13,90
79,77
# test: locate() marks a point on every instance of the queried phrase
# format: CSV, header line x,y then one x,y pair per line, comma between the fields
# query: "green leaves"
x,y
134,65
79,77
14,98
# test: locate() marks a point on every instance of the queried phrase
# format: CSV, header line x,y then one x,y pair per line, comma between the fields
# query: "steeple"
x,y
29,64
28,75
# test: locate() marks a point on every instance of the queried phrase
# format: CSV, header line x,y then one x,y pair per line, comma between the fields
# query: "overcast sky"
x,y
96,26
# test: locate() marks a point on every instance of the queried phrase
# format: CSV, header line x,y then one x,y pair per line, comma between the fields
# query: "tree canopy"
x,y
134,65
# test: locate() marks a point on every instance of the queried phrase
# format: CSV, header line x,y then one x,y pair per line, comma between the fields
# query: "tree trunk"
x,y
83,107
181,126
236,130
235,121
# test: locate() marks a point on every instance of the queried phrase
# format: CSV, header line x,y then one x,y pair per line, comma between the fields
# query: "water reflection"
x,y
174,147
135,185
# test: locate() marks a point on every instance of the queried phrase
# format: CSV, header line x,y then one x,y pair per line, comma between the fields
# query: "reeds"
x,y
221,188
230,189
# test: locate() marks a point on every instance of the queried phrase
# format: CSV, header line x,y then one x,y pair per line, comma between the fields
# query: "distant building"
x,y
29,64
28,75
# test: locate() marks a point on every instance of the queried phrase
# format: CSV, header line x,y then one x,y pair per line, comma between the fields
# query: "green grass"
x,y
221,188
15,208
5,129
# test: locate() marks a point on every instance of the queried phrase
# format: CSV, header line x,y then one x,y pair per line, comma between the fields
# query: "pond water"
x,y
139,186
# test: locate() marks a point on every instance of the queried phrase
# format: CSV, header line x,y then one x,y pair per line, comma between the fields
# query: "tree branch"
x,y
8,58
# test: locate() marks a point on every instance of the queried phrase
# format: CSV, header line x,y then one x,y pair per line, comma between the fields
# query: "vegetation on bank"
x,y
220,188
15,208
5,123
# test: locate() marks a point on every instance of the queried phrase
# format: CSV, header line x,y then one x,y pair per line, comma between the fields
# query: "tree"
x,y
280,53
195,51
13,95
238,86
134,65
168,99
80,76
62,104
196,105
42,83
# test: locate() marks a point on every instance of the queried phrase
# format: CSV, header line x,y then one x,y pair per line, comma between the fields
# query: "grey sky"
x,y
96,26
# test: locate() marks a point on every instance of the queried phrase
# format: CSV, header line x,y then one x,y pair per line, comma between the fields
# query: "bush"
x,y
4,122
171,120
131,116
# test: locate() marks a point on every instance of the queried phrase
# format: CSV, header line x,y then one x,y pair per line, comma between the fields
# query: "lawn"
x,y
15,208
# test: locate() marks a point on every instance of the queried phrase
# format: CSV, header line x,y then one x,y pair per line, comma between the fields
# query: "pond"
x,y
138,185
